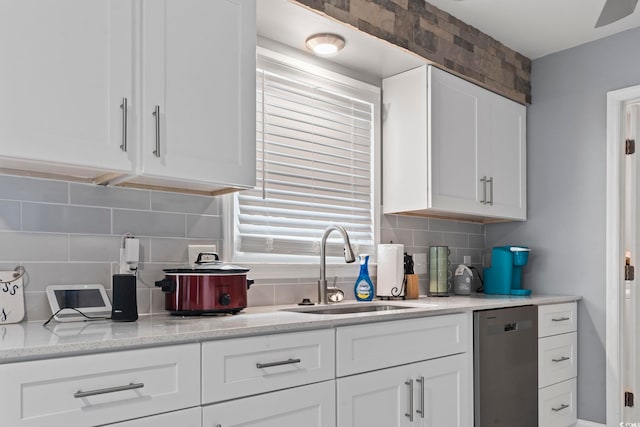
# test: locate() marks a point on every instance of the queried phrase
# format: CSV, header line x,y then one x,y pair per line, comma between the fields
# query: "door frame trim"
x,y
614,250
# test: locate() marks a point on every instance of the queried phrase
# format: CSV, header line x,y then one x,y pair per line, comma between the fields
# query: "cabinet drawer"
x,y
191,417
554,319
307,406
102,388
245,366
557,405
373,346
557,359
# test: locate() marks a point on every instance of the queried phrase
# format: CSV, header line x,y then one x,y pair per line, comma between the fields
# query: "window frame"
x,y
230,207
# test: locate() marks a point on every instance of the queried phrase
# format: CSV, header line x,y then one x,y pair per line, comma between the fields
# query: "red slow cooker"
x,y
205,288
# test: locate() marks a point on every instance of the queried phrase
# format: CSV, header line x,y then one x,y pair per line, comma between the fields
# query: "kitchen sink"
x,y
348,309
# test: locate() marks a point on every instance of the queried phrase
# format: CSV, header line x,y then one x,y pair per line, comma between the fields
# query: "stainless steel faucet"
x,y
349,257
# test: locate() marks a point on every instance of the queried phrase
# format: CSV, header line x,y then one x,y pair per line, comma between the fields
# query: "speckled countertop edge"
x,y
31,341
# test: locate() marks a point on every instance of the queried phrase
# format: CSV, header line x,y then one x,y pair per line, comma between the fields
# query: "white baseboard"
x,y
583,423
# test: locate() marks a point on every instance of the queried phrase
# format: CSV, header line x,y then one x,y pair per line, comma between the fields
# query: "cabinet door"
x,y
199,72
66,67
442,395
185,418
308,406
503,153
376,399
453,143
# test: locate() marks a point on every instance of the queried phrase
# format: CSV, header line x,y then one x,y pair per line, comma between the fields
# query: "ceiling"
x,y
290,24
536,28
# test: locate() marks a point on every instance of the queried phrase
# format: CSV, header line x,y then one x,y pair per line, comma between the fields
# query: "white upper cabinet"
x,y
66,67
198,109
184,68
456,150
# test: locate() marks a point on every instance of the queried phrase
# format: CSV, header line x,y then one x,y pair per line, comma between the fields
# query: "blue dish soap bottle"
x,y
363,288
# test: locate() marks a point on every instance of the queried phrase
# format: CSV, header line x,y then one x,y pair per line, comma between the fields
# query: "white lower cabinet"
x,y
97,389
307,406
433,393
557,365
557,405
186,418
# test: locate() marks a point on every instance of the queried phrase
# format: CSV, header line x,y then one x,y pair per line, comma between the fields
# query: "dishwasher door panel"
x,y
506,367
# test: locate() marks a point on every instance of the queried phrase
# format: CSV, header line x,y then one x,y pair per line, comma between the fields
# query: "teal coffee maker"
x,y
503,270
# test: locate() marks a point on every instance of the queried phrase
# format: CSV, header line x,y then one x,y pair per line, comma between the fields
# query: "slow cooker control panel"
x,y
224,299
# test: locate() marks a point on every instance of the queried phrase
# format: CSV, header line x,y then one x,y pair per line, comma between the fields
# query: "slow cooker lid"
x,y
216,267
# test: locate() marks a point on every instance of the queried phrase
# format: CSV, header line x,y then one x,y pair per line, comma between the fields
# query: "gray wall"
x,y
566,156
69,233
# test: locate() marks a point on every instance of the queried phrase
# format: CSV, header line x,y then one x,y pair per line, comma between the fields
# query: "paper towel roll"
x,y
390,270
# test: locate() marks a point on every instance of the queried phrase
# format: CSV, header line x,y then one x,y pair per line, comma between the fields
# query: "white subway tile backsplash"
x,y
295,293
67,233
112,197
456,240
202,226
18,246
9,215
412,223
261,295
33,189
174,250
96,248
185,203
52,218
146,223
41,274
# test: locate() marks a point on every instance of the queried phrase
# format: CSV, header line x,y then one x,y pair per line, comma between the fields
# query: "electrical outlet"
x,y
467,260
420,263
194,250
129,256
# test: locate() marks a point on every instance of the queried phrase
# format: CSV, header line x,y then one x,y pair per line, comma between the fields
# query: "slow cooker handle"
x,y
167,285
249,283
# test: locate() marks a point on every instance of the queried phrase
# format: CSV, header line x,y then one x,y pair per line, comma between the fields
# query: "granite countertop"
x,y
30,340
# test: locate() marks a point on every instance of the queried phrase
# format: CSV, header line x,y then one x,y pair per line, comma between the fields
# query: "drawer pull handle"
x,y
560,319
421,410
562,359
410,413
131,386
560,408
124,106
280,363
156,114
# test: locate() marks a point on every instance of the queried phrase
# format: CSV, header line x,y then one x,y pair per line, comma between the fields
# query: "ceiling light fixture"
x,y
325,44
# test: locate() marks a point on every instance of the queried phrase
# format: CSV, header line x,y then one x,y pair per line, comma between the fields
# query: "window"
x,y
315,135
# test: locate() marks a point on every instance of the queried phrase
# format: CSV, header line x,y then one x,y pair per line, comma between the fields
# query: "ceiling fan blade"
x,y
614,10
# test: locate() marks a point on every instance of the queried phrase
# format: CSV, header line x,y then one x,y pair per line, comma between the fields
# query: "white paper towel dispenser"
x,y
390,276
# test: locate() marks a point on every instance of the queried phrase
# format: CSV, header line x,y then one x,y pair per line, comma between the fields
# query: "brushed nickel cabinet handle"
x,y
560,408
156,113
490,182
560,319
280,363
483,180
562,359
131,386
410,413
421,410
124,107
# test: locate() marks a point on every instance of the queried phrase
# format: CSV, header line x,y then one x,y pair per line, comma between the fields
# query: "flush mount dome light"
x,y
325,44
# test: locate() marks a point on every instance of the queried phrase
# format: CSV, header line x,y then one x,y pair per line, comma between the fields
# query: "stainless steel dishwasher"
x,y
505,348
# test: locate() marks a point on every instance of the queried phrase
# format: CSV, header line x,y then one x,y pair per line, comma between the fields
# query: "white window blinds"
x,y
315,145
